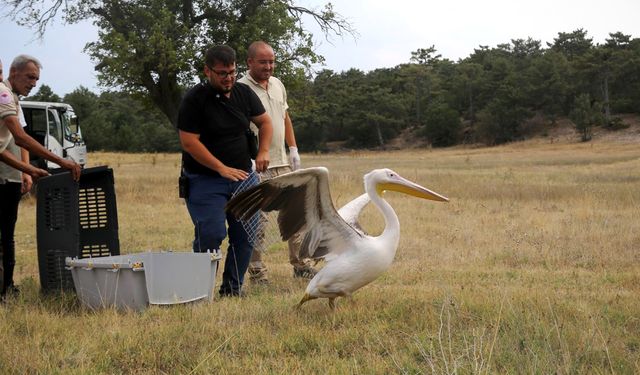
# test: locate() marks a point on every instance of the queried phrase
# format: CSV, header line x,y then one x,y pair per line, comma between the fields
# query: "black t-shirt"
x,y
221,123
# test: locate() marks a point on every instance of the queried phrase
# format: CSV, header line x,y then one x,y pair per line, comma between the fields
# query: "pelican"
x,y
353,258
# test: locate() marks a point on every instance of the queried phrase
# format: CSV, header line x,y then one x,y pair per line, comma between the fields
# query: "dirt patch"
x,y
408,139
564,132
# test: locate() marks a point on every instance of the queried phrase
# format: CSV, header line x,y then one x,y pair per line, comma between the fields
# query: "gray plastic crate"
x,y
74,219
134,281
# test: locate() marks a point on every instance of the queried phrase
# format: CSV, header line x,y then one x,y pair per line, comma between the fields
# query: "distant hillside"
x,y
563,131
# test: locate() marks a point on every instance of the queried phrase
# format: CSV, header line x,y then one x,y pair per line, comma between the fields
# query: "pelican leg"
x,y
332,303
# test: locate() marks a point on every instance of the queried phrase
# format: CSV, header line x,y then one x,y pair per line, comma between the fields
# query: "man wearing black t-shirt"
x,y
212,122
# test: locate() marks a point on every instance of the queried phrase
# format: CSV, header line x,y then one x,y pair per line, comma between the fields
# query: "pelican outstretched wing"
x,y
303,201
351,211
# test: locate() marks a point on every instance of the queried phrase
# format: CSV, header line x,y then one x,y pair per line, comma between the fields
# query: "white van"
x,y
56,127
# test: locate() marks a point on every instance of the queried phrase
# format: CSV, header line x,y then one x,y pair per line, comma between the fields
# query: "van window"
x,y
36,125
69,124
38,121
54,128
73,122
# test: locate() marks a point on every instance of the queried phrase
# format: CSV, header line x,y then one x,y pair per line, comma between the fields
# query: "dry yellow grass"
x,y
533,267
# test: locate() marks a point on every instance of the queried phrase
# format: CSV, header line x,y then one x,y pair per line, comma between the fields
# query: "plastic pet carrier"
x,y
136,281
74,219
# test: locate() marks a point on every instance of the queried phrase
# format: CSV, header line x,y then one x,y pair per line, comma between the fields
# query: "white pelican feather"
x,y
303,201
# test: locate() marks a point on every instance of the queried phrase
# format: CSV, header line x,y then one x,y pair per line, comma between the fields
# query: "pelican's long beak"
x,y
407,187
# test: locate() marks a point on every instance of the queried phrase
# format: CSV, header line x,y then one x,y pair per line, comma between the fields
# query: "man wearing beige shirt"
x,y
24,73
13,183
273,95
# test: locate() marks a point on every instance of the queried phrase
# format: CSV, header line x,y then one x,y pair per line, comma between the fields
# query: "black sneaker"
x,y
233,293
10,291
13,290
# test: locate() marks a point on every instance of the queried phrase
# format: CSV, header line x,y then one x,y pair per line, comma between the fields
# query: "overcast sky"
x,y
388,31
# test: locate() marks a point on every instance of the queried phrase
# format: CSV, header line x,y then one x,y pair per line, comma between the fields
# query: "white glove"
x,y
294,158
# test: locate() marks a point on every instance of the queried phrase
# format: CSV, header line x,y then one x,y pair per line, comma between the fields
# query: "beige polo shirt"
x,y
8,173
274,100
8,107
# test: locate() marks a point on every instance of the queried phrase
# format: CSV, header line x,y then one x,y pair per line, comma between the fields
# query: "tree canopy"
x,y
495,95
149,51
154,48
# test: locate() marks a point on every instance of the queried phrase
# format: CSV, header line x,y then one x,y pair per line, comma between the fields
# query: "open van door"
x,y
55,126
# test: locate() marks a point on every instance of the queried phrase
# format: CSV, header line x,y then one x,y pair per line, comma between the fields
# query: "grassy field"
x,y
533,267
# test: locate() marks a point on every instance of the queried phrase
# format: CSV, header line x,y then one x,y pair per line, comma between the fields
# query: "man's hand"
x,y
294,158
36,173
27,183
8,158
73,167
233,174
265,132
262,161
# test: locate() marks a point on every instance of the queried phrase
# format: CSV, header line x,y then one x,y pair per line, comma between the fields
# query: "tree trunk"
x,y
380,139
472,116
605,93
418,99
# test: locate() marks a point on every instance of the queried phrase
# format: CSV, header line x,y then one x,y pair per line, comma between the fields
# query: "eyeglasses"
x,y
224,74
